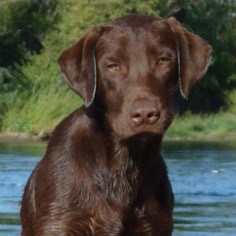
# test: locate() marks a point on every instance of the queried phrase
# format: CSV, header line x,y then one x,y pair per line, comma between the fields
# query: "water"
x,y
16,163
203,177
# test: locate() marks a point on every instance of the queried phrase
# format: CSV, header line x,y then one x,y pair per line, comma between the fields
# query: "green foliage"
x,y
23,24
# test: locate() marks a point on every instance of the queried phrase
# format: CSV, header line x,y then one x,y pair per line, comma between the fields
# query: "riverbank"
x,y
220,126
212,127
22,137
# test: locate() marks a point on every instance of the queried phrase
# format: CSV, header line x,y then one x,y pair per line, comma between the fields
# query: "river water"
x,y
203,177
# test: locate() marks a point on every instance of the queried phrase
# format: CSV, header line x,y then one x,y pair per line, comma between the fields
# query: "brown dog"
x,y
103,173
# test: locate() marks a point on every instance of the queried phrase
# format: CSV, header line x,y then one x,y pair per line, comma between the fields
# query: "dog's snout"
x,y
144,112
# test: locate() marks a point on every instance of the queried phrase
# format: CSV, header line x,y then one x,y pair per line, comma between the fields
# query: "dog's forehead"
x,y
152,32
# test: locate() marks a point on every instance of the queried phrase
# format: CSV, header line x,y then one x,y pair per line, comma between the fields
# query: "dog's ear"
x,y
194,56
78,65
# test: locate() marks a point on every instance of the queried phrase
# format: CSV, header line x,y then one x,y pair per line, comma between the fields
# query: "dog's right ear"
x,y
78,65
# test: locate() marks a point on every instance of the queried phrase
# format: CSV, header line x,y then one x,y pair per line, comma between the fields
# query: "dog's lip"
x,y
145,131
147,128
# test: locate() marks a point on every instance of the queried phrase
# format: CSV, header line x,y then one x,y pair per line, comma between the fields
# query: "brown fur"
x,y
103,173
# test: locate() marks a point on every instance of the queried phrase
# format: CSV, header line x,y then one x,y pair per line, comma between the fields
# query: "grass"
x,y
40,114
219,126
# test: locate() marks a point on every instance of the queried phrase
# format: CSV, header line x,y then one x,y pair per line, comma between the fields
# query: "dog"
x,y
103,173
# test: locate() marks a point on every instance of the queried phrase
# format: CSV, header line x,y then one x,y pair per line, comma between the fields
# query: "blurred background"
x,y
34,98
200,145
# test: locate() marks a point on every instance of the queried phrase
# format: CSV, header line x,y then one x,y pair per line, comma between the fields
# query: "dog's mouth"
x,y
125,128
158,128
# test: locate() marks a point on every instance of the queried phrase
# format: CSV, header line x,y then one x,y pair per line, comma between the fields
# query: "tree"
x,y
22,27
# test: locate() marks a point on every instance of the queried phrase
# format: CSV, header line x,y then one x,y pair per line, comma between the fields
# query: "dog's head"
x,y
133,66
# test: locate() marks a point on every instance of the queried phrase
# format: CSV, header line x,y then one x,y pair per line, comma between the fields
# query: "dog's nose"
x,y
144,112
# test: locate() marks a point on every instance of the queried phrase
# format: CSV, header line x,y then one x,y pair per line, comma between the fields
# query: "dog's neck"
x,y
143,151
135,161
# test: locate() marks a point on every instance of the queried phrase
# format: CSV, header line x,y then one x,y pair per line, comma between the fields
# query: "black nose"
x,y
144,112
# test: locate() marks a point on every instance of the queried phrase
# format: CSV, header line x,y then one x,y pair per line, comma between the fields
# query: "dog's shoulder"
x,y
75,123
74,134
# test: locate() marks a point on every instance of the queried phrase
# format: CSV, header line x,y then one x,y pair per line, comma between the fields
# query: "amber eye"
x,y
163,61
113,67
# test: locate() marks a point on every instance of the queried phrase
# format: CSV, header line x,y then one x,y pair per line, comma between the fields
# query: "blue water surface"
x,y
203,177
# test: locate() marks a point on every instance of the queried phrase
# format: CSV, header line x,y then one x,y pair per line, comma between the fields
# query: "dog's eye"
x,y
113,67
163,61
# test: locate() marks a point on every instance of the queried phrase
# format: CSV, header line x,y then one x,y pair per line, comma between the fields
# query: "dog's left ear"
x,y
194,56
78,65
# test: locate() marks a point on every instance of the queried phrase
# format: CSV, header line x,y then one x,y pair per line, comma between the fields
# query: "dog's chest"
x,y
118,184
117,190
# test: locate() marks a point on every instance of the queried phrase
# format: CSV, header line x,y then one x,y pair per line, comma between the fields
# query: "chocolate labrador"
x,y
103,173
